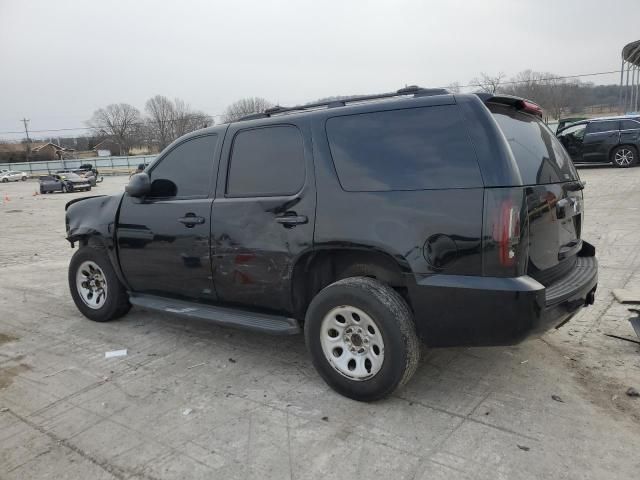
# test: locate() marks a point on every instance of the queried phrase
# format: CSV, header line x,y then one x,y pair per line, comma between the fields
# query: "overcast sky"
x,y
61,60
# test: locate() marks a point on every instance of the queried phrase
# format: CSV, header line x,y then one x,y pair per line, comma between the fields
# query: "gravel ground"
x,y
192,400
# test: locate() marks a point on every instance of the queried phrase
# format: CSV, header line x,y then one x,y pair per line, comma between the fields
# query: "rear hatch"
x,y
535,226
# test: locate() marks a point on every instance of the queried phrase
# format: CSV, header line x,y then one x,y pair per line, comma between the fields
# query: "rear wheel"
x,y
5,180
95,287
624,156
362,339
24,179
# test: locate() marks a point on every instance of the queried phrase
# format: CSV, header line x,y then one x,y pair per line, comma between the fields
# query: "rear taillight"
x,y
506,232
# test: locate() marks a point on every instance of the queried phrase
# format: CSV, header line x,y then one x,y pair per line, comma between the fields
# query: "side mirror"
x,y
139,185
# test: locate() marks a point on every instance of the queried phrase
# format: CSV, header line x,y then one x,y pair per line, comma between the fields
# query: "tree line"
x,y
162,120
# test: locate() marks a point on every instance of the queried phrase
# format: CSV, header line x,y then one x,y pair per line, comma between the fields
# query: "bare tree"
x,y
119,121
169,120
454,87
487,83
186,120
245,106
161,113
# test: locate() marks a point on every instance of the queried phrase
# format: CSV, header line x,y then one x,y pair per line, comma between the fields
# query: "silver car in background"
x,y
12,176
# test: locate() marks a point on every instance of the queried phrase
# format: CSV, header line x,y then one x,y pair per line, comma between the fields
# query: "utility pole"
x,y
26,130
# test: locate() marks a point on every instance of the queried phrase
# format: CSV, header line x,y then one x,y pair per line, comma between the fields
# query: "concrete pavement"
x,y
192,400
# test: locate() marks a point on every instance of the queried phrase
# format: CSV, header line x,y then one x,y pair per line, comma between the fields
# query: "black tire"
x,y
620,156
42,192
24,179
392,316
5,180
116,303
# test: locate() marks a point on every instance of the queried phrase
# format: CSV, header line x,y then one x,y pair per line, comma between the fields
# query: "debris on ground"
x,y
635,321
557,398
326,419
4,409
115,353
196,365
187,411
524,448
632,392
232,360
624,295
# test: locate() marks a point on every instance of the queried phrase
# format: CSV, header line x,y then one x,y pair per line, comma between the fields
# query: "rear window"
x,y
410,149
540,156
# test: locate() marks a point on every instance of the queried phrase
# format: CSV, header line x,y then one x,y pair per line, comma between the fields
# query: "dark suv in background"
x,y
371,223
603,140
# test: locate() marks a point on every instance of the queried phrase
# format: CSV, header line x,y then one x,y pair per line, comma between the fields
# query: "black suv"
x,y
371,223
603,140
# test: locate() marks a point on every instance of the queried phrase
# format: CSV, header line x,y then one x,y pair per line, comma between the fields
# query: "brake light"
x,y
506,233
531,108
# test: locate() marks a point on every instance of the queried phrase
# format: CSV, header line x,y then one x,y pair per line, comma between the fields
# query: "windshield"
x,y
70,176
541,158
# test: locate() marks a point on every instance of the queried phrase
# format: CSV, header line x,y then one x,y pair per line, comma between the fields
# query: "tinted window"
x,y
186,170
266,161
411,149
596,127
539,155
629,125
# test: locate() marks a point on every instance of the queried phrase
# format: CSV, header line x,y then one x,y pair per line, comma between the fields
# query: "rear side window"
x,y
411,149
540,156
186,170
597,127
629,125
266,161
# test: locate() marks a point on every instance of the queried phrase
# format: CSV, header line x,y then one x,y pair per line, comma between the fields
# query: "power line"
x,y
546,79
511,82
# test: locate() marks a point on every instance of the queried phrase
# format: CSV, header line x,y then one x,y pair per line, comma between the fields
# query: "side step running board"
x,y
259,322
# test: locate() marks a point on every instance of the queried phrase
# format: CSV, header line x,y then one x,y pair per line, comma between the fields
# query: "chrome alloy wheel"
x,y
623,157
352,343
91,284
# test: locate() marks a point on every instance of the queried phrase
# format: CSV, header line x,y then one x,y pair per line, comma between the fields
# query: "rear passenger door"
x,y
630,132
263,214
600,137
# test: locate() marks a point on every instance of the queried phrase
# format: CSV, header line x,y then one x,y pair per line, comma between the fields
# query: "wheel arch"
x,y
320,267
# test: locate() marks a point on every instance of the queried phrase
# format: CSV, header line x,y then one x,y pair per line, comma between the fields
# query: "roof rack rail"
x,y
414,90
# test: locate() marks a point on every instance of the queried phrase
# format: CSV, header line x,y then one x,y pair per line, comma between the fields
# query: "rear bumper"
x,y
455,310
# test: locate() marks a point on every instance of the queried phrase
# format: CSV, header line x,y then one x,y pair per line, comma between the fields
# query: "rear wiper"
x,y
574,186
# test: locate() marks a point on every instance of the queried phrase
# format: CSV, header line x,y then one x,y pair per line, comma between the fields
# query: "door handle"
x,y
292,220
190,220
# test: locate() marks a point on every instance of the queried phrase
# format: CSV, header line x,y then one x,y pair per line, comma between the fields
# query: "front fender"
x,y
92,221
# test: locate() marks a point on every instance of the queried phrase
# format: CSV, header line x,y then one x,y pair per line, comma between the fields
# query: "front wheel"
x,y
362,338
95,287
5,180
624,156
24,179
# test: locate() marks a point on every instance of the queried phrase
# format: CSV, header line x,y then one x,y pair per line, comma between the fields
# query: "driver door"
x,y
163,238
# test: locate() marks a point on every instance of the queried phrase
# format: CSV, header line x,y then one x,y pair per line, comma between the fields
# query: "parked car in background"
x,y
369,223
64,182
12,176
613,140
84,173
